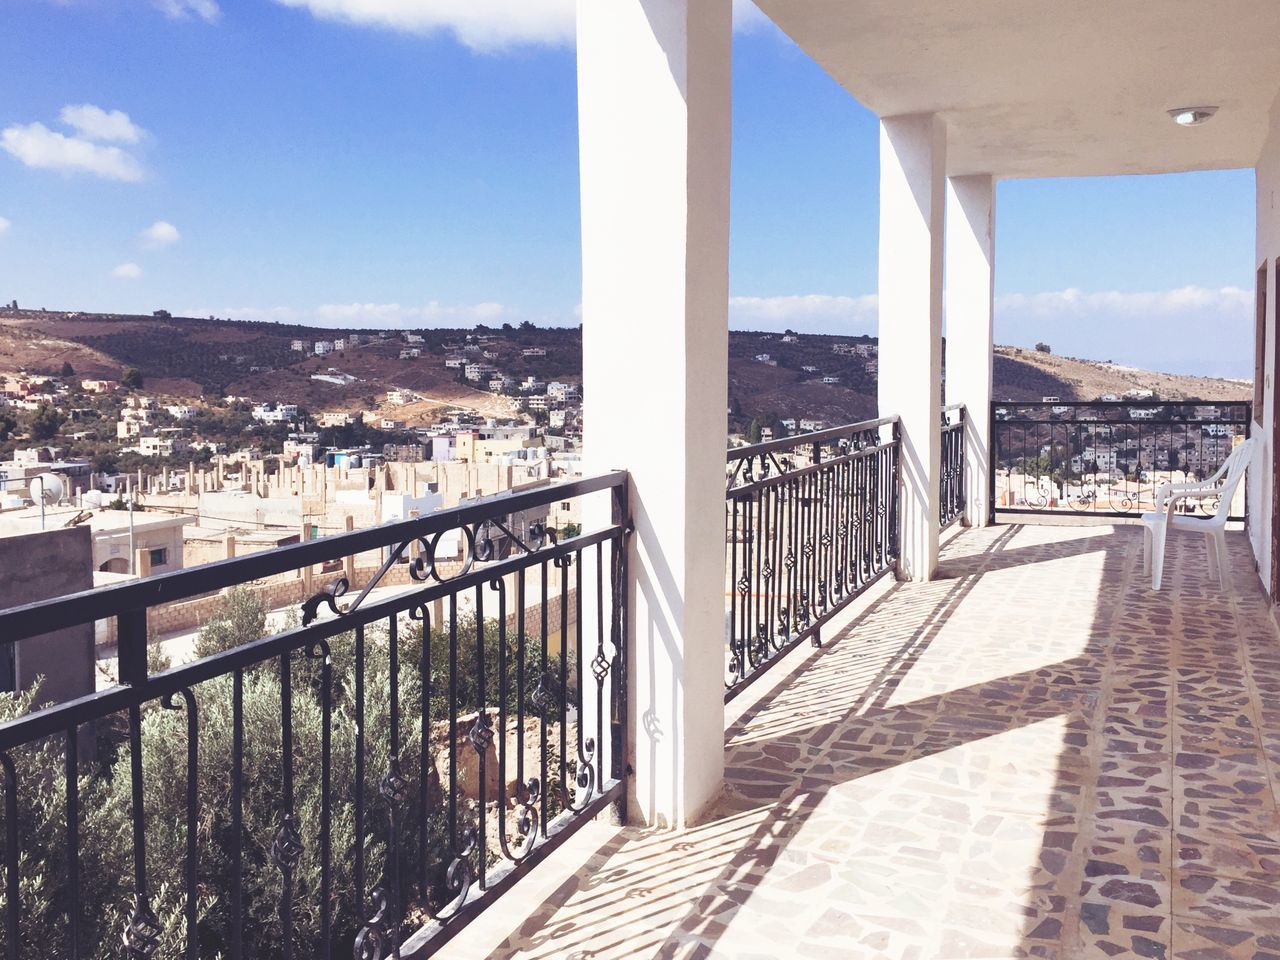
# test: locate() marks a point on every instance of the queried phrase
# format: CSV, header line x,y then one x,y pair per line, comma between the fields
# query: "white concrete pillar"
x,y
654,136
970,294
913,153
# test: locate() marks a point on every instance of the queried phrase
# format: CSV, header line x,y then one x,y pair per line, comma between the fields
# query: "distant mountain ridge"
x,y
772,376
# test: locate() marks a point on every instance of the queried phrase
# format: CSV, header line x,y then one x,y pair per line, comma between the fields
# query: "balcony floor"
x,y
1032,756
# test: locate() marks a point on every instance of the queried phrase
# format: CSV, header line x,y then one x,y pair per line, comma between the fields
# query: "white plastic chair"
x,y
1158,523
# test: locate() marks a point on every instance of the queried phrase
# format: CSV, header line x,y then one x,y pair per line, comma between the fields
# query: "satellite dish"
x,y
52,487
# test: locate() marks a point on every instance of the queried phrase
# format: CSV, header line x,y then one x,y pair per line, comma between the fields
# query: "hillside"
x,y
189,357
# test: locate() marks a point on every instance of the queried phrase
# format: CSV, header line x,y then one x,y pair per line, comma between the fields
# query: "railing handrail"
x,y
1122,403
100,603
800,439
101,703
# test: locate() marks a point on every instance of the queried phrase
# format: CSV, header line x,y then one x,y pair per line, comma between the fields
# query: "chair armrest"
x,y
1189,488
1176,495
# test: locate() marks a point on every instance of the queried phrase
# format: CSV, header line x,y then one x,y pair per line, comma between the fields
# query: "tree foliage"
x,y
104,899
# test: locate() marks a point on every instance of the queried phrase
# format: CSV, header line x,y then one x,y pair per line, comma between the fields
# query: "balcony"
x,y
1034,728
1033,755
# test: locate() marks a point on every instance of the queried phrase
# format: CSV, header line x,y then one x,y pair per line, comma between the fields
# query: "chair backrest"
x,y
1236,464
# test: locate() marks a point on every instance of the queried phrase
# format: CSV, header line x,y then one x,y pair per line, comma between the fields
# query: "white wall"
x,y
913,158
1268,249
654,141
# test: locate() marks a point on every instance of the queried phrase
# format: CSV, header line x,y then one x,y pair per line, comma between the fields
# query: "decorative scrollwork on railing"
x,y
460,875
528,812
393,787
585,776
547,693
142,935
329,597
286,848
373,942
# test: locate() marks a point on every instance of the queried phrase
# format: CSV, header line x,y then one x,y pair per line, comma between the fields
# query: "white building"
x,y
323,347
182,411
299,345
561,392
274,413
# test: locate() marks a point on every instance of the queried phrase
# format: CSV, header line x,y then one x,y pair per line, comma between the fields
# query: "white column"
x,y
912,172
970,292
654,134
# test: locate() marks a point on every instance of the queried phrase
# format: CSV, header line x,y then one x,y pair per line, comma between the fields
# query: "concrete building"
x,y
156,538
37,565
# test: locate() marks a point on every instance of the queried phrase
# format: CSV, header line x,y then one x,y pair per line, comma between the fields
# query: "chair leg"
x,y
1220,546
1211,556
1157,557
1146,550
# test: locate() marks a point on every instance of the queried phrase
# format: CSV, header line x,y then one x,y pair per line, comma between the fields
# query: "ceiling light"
x,y
1191,116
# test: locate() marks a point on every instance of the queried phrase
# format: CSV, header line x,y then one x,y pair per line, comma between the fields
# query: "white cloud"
x,y
805,313
206,10
127,271
37,146
162,233
483,25
5,224
94,123
1192,329
1229,301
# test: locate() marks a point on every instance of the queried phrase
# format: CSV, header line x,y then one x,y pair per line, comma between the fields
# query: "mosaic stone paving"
x,y
1032,756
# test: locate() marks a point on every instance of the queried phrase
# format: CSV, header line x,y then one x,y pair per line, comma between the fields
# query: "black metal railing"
x,y
362,782
1107,457
951,482
810,522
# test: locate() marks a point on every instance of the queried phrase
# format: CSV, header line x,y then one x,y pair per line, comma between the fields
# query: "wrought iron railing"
x,y
361,783
1107,457
951,483
810,522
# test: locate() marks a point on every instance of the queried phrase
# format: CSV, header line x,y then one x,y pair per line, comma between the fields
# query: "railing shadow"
x,y
795,759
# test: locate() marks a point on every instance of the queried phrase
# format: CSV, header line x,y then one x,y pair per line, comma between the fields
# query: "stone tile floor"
x,y
1032,756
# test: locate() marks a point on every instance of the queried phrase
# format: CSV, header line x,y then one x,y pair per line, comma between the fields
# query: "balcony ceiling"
x,y
1039,89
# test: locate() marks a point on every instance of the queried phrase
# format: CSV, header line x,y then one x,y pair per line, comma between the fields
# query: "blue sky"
x,y
364,162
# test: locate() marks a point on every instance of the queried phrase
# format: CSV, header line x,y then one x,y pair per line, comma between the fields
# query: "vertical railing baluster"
x,y
237,815
481,737
562,564
287,847
319,650
13,906
393,790
188,704
424,753
361,905
72,786
542,698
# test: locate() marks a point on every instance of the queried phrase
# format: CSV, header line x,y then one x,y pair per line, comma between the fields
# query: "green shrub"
x,y
105,897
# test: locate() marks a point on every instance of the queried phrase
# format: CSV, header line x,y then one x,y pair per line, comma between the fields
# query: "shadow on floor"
x,y
1032,756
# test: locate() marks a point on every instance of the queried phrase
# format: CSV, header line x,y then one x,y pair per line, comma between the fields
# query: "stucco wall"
x,y
1268,250
38,566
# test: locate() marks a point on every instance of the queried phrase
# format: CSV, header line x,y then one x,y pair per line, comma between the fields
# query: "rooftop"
x,y
1033,755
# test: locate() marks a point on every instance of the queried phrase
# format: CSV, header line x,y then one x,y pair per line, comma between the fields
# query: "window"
x,y
1260,344
160,557
565,506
